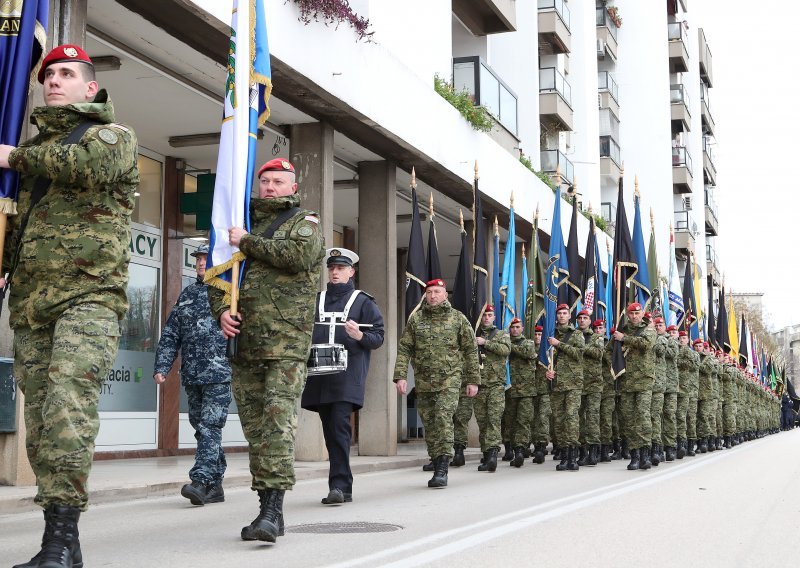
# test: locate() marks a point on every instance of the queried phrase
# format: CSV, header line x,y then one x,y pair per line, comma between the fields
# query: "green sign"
x,y
199,203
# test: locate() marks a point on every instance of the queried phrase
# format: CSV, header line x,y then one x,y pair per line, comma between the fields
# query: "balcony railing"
x,y
711,256
551,80
675,31
678,94
608,211
602,18
610,149
708,149
683,223
711,203
487,89
555,159
681,157
606,82
609,124
559,6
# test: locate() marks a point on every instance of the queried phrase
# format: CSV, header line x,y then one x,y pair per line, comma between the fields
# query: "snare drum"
x,y
326,359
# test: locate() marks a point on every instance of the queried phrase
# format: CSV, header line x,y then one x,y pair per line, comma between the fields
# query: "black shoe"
x,y
268,525
583,455
215,493
564,454
655,458
672,452
711,444
690,448
491,459
605,450
195,492
572,459
519,457
626,452
336,497
458,458
539,453
681,452
644,458
439,478
559,454
702,446
634,465
509,454
61,547
720,444
484,459
617,453
428,466
526,452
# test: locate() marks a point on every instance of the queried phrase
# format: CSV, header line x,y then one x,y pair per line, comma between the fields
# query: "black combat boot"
x,y
655,457
605,450
671,453
594,454
268,525
557,453
563,453
519,457
702,445
572,459
61,547
583,455
491,460
690,448
195,492
484,459
215,493
634,465
428,466
720,444
439,478
509,452
644,458
526,452
711,444
458,458
617,453
735,440
626,452
681,453
538,453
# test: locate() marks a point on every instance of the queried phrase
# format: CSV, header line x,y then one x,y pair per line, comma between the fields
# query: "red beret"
x,y
539,328
634,307
682,334
697,341
515,320
276,165
489,309
63,53
562,307
435,282
584,313
658,319
706,344
672,328
598,323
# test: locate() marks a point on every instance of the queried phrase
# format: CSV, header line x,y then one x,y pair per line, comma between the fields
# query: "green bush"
x,y
477,116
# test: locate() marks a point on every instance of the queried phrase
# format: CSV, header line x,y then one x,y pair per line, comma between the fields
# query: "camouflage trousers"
x,y
590,418
208,412
267,393
461,420
669,427
691,417
635,413
680,416
541,419
656,415
489,405
706,418
607,405
436,409
718,430
566,406
60,369
729,418
520,411
507,422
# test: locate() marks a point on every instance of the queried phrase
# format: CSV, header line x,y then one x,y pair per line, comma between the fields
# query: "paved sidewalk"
x,y
125,480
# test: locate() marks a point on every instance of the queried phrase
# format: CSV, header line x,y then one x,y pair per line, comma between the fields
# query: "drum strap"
x,y
334,317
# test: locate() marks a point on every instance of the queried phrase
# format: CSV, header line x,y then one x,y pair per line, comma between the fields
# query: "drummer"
x,y
336,396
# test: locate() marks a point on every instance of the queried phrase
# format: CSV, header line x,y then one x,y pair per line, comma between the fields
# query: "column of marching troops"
x,y
676,398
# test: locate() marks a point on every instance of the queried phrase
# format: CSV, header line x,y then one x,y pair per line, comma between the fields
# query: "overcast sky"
x,y
755,103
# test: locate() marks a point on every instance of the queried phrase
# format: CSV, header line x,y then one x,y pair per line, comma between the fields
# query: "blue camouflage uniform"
x,y
205,374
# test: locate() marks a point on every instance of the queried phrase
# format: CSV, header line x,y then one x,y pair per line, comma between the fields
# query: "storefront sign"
x,y
129,385
145,245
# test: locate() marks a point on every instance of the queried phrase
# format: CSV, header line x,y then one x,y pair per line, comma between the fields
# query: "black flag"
x,y
433,268
690,309
743,356
625,268
571,293
589,282
711,325
415,260
480,262
462,290
723,340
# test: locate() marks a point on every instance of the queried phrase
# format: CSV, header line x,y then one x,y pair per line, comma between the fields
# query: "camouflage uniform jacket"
x,y
541,380
728,382
671,360
568,359
193,330
493,356
688,366
276,299
592,362
660,383
708,370
523,367
440,344
640,358
609,384
76,246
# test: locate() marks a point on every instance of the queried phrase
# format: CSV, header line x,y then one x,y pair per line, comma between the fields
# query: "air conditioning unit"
x,y
687,203
601,49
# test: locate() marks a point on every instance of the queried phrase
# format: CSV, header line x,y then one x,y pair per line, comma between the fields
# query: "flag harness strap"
x,y
274,226
40,188
331,318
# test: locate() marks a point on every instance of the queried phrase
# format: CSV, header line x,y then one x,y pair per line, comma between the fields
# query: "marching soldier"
x,y
659,388
522,362
705,396
541,406
591,392
607,397
669,428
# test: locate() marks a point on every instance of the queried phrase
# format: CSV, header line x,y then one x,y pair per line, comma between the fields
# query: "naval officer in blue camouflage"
x,y
206,376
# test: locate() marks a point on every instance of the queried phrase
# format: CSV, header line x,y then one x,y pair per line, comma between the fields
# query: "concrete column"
x,y
311,153
377,238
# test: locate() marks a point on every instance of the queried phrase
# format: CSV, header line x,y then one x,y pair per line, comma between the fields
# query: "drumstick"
x,y
338,323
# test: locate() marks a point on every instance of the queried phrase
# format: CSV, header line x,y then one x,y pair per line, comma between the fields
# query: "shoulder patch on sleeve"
x,y
108,136
305,231
311,218
119,126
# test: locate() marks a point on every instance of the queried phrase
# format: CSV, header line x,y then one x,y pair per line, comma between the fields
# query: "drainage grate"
x,y
344,528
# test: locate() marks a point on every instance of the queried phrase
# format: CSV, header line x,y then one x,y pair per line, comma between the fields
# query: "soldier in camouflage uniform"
x,y
689,368
591,392
669,430
70,276
541,406
522,362
607,397
439,343
566,376
729,401
659,388
636,384
494,346
273,329
206,377
705,396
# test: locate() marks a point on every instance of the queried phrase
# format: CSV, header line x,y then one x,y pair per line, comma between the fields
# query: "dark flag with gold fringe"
x,y
415,259
462,289
534,302
480,261
433,267
625,268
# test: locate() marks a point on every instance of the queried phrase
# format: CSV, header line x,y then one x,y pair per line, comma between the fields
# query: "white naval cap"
x,y
340,256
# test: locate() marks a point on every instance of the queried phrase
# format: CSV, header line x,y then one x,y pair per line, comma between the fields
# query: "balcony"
x,y
606,34
712,265
712,224
705,113
678,52
610,158
684,232
709,169
484,17
608,211
555,98
554,34
487,89
609,92
706,71
681,117
553,160
681,170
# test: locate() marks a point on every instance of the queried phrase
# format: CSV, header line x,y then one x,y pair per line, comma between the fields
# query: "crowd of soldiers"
x,y
676,398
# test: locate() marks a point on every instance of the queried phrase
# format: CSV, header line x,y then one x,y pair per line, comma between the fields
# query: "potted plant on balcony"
x,y
613,12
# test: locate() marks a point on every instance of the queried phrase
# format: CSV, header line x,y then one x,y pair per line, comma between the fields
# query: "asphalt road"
x,y
738,507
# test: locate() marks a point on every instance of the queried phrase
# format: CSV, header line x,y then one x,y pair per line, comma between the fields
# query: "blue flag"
x,y
556,275
496,300
609,295
641,280
22,40
508,283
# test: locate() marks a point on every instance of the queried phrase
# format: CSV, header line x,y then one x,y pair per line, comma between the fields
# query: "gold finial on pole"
x,y
636,186
496,229
558,175
670,228
476,170
461,218
523,249
430,204
590,208
622,169
608,246
536,215
512,198
652,219
413,178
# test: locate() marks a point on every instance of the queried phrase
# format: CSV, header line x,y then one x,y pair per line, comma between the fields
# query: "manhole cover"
x,y
342,528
